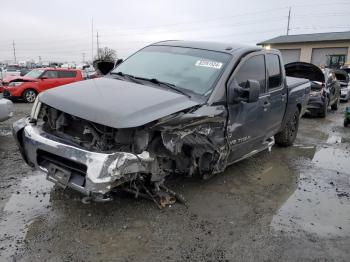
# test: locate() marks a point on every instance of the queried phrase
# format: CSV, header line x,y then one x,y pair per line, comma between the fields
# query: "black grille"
x,y
6,94
44,158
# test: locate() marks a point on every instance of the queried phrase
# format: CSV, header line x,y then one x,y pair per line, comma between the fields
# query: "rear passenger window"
x,y
252,69
67,74
273,70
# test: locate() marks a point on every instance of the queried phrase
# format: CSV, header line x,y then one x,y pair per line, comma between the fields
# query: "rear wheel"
x,y
335,105
287,136
29,95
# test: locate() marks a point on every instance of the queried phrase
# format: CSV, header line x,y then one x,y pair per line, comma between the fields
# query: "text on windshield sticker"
x,y
208,63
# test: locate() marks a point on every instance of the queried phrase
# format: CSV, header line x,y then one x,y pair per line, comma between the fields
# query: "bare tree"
x,y
106,54
105,60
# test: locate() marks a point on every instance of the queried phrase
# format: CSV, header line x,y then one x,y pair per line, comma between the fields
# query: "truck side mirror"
x,y
119,61
248,94
254,89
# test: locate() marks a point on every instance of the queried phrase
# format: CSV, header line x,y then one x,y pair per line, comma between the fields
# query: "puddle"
x,y
333,159
314,208
319,205
28,202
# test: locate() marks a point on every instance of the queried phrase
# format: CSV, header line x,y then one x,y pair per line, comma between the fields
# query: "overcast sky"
x,y
61,30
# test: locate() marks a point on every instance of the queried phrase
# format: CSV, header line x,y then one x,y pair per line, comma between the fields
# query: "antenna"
x,y
288,29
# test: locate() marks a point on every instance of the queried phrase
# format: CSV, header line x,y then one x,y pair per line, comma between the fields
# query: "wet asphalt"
x,y
292,204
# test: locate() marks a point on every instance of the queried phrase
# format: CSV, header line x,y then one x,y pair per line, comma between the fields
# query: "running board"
x,y
267,145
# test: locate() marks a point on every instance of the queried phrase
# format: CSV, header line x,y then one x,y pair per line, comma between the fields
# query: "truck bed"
x,y
294,81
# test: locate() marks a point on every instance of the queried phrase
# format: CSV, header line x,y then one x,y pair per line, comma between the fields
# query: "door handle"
x,y
266,104
283,96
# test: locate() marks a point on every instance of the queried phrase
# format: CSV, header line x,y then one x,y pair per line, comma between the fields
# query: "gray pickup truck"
x,y
174,107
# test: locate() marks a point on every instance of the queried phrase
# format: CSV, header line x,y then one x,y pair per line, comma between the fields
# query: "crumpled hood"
x,y
9,79
115,103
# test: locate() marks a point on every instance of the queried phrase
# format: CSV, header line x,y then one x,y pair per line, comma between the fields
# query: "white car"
x,y
10,71
6,109
344,80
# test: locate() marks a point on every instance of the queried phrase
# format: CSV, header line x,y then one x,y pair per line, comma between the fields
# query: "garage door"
x,y
320,56
290,55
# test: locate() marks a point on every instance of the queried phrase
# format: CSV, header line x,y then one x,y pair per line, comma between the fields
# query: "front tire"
x,y
287,136
29,95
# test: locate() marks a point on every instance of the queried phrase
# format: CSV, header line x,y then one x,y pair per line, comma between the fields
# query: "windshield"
x,y
34,73
192,69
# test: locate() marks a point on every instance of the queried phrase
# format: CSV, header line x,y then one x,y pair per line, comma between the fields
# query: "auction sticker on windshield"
x,y
208,63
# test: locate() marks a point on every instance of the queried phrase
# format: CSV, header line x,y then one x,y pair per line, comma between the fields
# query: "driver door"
x,y
48,80
247,122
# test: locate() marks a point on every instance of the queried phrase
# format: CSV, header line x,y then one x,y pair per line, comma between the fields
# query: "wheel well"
x,y
29,88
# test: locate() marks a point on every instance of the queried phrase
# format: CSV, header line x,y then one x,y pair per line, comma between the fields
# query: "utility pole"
x,y
288,21
98,46
14,51
83,57
92,39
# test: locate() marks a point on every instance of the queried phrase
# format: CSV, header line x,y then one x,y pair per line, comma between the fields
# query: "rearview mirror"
x,y
248,94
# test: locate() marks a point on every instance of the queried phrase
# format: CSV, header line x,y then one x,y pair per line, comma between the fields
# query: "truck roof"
x,y
213,46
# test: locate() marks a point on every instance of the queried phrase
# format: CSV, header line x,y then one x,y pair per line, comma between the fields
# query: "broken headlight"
x,y
35,109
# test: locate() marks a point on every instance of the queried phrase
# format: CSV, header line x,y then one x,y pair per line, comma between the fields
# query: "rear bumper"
x,y
90,173
315,105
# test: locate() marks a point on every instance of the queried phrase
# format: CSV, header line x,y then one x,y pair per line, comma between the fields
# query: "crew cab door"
x,y
277,91
247,122
48,80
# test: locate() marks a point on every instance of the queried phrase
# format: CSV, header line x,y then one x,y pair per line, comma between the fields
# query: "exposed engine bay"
x,y
196,149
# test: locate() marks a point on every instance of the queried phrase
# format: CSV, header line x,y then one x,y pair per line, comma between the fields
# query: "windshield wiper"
x,y
157,82
128,77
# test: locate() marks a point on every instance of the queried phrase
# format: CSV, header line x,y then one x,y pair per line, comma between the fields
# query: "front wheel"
x,y
287,136
29,95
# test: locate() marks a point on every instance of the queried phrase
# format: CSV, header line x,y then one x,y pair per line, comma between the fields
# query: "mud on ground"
x,y
292,204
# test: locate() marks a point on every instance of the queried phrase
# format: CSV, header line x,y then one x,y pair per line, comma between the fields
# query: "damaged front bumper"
x,y
91,173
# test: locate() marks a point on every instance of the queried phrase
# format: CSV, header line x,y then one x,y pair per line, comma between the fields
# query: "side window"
x,y
252,69
50,74
273,70
67,74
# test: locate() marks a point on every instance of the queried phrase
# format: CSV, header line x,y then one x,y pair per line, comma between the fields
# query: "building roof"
x,y
319,37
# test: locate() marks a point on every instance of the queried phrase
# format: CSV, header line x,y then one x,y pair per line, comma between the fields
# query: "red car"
x,y
38,80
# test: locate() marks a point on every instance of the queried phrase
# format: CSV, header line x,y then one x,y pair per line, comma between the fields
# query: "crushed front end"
x,y
95,159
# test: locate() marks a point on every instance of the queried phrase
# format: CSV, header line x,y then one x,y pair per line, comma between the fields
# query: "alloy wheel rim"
x,y
30,96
